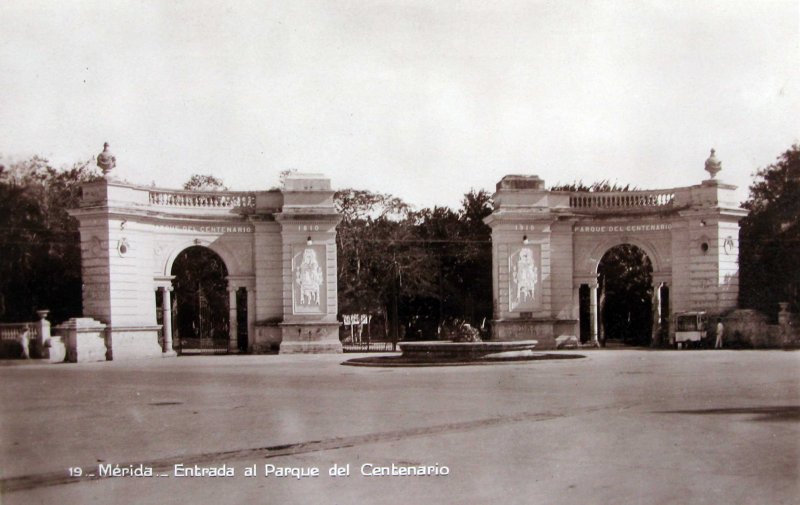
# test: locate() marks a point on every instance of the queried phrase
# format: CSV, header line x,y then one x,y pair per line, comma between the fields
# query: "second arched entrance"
x,y
201,305
628,304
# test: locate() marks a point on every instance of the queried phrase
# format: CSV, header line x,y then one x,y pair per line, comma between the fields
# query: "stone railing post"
x,y
43,334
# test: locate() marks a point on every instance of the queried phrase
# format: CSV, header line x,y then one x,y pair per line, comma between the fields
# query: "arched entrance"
x,y
201,318
625,284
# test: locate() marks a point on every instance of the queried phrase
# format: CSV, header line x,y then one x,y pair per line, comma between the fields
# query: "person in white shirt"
x,y
720,331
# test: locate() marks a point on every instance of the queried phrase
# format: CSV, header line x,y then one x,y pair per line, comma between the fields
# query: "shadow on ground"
x,y
770,414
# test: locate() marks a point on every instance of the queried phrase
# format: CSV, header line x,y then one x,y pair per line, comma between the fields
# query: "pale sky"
x,y
421,99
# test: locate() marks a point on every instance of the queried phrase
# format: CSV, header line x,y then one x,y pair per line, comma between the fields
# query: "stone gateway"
x,y
278,249
547,247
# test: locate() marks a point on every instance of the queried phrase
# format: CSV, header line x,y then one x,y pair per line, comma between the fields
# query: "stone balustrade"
x,y
11,332
203,199
622,200
40,343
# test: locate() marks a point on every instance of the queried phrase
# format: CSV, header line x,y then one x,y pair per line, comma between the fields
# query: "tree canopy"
x,y
770,236
416,268
201,182
39,241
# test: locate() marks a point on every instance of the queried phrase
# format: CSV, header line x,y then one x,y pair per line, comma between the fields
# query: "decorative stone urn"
x,y
105,160
713,165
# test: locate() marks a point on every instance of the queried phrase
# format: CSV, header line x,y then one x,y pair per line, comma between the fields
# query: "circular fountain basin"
x,y
437,353
437,350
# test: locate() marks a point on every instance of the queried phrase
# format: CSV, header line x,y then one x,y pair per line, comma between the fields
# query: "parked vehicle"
x,y
690,328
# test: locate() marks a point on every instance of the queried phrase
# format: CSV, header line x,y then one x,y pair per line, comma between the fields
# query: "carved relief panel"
x,y
524,278
308,279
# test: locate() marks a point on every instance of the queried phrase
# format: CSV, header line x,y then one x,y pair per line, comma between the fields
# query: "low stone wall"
x,y
132,342
749,328
743,328
38,343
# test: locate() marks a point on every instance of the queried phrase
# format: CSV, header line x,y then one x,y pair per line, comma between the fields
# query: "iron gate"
x,y
207,335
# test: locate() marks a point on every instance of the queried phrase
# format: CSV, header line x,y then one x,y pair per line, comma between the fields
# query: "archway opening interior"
x,y
625,294
200,301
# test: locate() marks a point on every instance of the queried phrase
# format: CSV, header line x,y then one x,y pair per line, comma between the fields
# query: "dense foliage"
x,y
603,186
200,182
769,257
39,241
414,270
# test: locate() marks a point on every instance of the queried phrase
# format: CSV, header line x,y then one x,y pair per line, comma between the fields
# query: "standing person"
x,y
24,340
720,331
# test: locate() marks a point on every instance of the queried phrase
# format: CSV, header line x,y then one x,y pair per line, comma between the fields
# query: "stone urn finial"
x,y
105,160
713,165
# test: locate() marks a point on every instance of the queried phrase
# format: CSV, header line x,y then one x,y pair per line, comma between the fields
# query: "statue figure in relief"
x,y
525,273
309,278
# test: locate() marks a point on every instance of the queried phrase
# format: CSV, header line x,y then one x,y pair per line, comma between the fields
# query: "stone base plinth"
x,y
544,331
310,338
85,339
133,342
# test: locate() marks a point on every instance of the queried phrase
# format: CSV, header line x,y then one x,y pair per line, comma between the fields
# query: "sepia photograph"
x,y
397,252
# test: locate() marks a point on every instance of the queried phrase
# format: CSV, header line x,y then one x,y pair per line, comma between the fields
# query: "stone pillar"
x,y
233,325
308,222
576,306
251,318
166,318
117,255
48,346
593,316
655,339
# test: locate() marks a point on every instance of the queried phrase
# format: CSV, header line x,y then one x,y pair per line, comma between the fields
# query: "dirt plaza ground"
x,y
618,426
